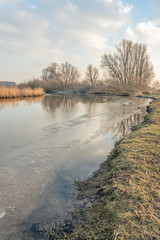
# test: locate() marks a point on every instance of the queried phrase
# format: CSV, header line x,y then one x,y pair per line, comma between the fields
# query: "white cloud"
x,y
108,1
88,39
72,7
33,7
127,9
6,28
129,34
58,31
148,32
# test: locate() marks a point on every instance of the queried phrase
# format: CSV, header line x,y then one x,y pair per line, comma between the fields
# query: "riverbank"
x,y
121,199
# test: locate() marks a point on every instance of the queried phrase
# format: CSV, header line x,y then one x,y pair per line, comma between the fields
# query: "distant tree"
x,y
156,85
52,72
35,83
92,75
22,85
129,66
69,74
64,74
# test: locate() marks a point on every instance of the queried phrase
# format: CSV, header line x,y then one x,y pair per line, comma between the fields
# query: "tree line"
x,y
127,69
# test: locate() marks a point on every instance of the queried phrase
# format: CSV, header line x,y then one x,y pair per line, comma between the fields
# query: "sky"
x,y
35,33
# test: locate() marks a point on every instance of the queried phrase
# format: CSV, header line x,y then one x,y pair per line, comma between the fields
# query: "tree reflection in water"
x,y
123,128
50,102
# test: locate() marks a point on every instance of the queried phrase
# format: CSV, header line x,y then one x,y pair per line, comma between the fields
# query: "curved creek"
x,y
48,142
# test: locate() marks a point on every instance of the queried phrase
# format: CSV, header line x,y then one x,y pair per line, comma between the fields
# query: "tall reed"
x,y
13,92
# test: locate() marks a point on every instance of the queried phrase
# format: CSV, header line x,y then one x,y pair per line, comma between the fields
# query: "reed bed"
x,y
14,92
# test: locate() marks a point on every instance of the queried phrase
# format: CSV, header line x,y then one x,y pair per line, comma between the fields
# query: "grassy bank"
x,y
122,199
14,92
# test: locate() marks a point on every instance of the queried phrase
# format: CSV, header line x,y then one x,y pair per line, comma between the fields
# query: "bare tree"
x,y
69,74
156,85
52,72
92,75
63,74
129,66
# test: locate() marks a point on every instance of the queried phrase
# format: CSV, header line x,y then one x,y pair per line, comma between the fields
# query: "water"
x,y
46,143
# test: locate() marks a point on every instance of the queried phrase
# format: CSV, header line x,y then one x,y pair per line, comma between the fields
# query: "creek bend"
x,y
48,142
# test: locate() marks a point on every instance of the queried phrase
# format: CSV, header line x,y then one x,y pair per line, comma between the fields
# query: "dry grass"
x,y
125,190
14,92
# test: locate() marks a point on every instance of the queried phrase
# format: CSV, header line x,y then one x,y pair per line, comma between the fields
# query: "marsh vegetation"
x,y
15,92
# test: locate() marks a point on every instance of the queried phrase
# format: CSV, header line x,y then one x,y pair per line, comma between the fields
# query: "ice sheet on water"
x,y
2,213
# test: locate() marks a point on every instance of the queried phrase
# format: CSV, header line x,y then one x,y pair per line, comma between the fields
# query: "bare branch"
x,y
129,65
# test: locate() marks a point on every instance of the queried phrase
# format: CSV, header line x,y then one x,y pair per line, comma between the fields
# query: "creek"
x,y
48,142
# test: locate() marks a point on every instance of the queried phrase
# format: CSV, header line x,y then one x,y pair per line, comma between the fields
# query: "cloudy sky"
x,y
35,33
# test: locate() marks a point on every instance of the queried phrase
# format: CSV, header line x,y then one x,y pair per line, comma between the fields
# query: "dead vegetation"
x,y
14,92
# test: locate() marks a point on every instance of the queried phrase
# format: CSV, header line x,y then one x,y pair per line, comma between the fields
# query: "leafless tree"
x,y
92,75
69,74
156,85
63,74
129,66
52,72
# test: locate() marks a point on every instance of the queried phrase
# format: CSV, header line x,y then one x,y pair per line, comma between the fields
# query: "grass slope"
x,y
123,196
